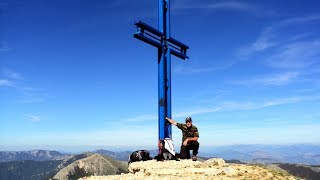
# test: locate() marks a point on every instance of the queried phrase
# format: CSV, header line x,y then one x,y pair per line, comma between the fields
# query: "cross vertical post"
x,y
164,72
166,45
168,128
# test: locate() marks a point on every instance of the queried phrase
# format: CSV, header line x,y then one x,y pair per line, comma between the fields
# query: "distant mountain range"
x,y
43,164
266,154
35,155
295,154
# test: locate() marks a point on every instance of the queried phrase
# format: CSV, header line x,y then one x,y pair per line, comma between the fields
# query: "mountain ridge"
x,y
96,164
36,155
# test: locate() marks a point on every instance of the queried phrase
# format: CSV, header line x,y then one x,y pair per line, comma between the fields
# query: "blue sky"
x,y
71,73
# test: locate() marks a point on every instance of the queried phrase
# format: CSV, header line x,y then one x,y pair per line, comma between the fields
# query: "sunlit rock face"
x,y
214,168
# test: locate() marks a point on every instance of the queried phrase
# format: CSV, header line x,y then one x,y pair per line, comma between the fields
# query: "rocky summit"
x,y
214,168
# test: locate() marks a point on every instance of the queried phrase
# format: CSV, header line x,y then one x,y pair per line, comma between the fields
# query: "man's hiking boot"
x,y
194,158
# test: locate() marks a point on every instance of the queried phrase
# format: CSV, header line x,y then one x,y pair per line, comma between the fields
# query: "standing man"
x,y
190,137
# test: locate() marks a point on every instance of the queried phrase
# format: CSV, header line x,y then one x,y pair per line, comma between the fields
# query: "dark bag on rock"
x,y
140,155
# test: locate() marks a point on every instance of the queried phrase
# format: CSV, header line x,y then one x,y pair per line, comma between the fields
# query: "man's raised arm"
x,y
171,121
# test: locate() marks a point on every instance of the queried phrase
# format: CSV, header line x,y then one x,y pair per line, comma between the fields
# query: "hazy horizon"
x,y
84,148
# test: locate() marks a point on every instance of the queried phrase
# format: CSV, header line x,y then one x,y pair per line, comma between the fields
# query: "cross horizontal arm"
x,y
156,38
178,54
145,26
177,43
147,40
178,49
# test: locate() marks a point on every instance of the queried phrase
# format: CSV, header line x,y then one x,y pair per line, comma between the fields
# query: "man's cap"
x,y
188,119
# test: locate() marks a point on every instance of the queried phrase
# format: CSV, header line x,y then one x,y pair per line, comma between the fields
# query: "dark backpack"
x,y
140,155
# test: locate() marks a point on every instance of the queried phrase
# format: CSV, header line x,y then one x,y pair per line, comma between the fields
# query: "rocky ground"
x,y
215,168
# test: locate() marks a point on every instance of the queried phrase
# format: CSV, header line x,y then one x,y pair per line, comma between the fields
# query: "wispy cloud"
x,y
194,67
247,105
287,47
207,96
11,74
299,20
32,95
222,5
263,42
141,118
5,82
286,133
195,111
296,55
271,34
15,81
32,117
232,5
269,80
192,70
113,136
233,106
4,47
198,66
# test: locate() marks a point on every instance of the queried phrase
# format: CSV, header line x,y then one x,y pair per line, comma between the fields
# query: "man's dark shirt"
x,y
188,132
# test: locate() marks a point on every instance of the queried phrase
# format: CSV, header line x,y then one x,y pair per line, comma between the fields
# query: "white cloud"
x,y
240,106
3,46
263,42
31,95
11,74
233,106
143,135
141,118
191,70
296,55
15,81
291,45
223,5
285,134
33,118
4,49
5,82
196,66
299,20
231,5
273,79
287,50
197,111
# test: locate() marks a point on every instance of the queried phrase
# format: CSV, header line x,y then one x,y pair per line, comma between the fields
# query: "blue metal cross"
x,y
166,46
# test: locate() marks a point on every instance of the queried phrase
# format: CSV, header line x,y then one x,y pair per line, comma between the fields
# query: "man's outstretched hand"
x,y
171,121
